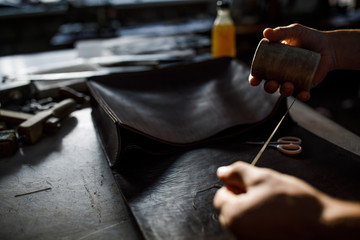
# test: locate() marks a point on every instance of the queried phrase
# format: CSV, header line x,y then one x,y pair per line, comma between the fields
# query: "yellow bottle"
x,y
223,32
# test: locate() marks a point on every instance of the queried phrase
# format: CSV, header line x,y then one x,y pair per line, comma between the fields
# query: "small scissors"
x,y
287,145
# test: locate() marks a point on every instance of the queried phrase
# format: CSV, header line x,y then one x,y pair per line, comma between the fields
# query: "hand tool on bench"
x,y
31,130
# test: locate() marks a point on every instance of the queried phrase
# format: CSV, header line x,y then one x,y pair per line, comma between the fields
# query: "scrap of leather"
x,y
179,105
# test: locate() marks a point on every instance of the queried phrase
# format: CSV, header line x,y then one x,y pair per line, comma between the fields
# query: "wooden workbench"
x,y
80,198
83,200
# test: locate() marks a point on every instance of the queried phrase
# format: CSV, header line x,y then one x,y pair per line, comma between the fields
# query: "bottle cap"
x,y
222,4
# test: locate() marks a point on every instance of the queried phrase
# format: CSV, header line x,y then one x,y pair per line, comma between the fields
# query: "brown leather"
x,y
180,105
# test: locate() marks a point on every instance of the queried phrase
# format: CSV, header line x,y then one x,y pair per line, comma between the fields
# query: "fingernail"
x,y
222,171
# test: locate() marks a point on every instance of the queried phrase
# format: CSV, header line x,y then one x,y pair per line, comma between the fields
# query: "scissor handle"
x,y
289,148
289,139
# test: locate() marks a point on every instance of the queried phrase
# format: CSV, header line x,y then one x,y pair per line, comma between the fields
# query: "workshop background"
x,y
32,26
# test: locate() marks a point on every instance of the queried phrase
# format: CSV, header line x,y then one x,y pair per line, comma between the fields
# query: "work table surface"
x,y
78,197
82,200
63,188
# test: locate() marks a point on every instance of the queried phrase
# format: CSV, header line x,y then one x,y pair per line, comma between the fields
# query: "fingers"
x,y
286,89
254,81
285,33
303,96
232,173
230,203
238,175
233,180
295,35
235,176
271,86
222,197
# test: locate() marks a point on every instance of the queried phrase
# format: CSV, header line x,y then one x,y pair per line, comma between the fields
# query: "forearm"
x,y
345,49
341,219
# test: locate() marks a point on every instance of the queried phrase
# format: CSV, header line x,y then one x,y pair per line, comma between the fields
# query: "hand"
x,y
304,37
259,203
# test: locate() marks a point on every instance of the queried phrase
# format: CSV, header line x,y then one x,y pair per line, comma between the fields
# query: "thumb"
x,y
238,176
233,180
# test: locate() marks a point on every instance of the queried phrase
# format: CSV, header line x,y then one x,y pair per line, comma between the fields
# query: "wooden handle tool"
x,y
32,129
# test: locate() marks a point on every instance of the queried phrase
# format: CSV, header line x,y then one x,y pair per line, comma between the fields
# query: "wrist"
x,y
343,48
340,219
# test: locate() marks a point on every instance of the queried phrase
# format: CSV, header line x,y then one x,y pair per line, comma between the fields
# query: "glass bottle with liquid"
x,y
223,32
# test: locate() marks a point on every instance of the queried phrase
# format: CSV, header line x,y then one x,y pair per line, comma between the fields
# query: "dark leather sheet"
x,y
184,104
176,106
153,118
161,190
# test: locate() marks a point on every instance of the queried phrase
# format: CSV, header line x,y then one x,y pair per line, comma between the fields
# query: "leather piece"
x,y
160,190
159,181
183,104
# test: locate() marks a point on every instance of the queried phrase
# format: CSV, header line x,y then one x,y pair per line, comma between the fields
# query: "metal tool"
x,y
288,145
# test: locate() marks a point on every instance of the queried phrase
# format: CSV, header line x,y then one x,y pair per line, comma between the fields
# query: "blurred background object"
x,y
178,29
42,25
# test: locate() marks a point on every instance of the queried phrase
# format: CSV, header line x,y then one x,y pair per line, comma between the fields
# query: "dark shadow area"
x,y
338,98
